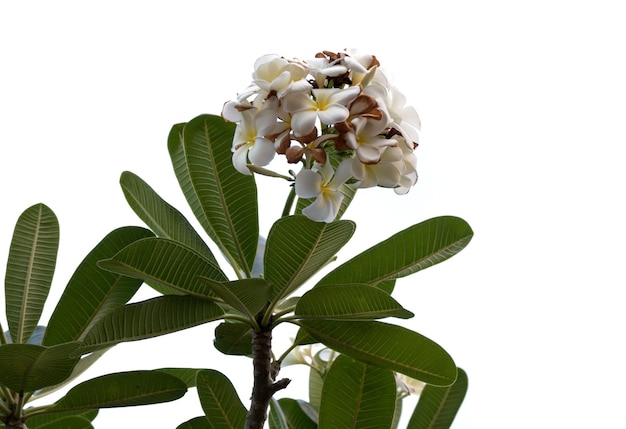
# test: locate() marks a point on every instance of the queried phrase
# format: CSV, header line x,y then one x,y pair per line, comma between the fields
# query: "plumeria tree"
x,y
341,126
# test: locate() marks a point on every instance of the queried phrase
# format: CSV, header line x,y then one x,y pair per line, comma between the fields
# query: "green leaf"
x,y
316,383
187,375
93,292
298,247
234,338
416,248
276,418
248,296
30,267
387,346
122,389
81,366
226,198
349,302
438,406
200,422
357,395
161,217
157,316
219,400
176,149
287,413
28,367
67,420
397,414
166,262
387,285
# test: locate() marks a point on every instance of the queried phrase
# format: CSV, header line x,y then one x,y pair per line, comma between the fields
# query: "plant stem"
x,y
14,419
289,202
265,372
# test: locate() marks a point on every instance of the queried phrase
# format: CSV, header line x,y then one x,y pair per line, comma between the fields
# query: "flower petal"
x,y
333,113
240,159
324,208
308,184
262,152
303,122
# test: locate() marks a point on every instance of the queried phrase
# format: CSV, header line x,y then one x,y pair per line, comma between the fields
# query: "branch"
x,y
265,374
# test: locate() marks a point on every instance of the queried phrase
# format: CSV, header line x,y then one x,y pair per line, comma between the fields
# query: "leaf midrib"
x,y
381,358
161,232
28,279
229,222
394,273
288,284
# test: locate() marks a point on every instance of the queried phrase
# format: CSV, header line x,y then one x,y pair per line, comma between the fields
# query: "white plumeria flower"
x,y
300,355
366,139
322,183
403,118
322,67
387,173
327,104
232,109
274,74
250,141
408,168
362,65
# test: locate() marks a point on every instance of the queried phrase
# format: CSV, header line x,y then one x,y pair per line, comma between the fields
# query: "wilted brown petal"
x,y
318,154
308,138
294,154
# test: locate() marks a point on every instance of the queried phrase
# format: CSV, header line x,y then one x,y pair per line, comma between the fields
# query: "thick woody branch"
x,y
265,374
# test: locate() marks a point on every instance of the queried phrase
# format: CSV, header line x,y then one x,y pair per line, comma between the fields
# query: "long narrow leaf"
x,y
437,406
248,296
290,413
151,318
357,395
388,346
67,420
81,366
30,267
234,338
200,422
416,248
187,375
176,149
165,262
27,367
92,291
219,400
316,383
161,217
122,390
349,302
227,198
277,418
298,247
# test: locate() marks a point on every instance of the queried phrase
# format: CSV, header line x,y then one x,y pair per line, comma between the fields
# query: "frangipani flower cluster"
x,y
338,115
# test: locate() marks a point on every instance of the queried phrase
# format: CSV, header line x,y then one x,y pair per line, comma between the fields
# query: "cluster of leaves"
x,y
36,360
341,311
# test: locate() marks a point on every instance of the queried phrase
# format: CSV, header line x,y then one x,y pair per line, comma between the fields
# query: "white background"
x,y
523,107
